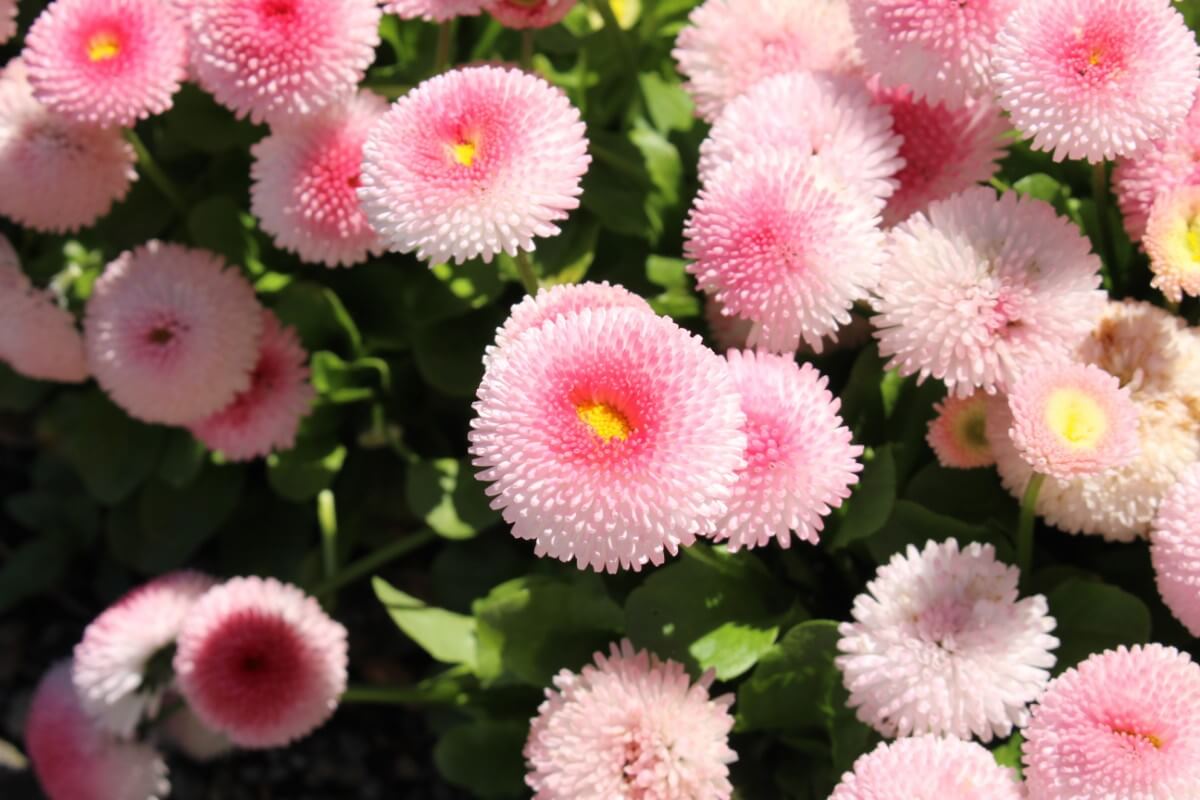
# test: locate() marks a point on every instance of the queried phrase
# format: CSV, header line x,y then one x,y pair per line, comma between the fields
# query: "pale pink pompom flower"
x,y
928,766
941,50
559,301
1173,243
276,59
266,415
113,661
1096,79
38,337
610,437
433,10
526,14
729,45
79,170
261,662
782,241
979,289
800,461
941,644
75,760
1175,549
1120,725
958,434
8,20
1165,165
171,333
630,726
306,178
473,163
833,117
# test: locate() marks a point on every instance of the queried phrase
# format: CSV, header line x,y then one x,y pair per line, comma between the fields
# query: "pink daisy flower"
x,y
559,301
275,59
8,20
38,338
171,333
927,766
627,425
1071,420
115,673
1120,725
1165,165
728,332
80,170
940,644
630,726
1173,243
730,45
261,662
106,62
524,14
433,10
800,462
958,434
944,150
306,179
977,290
266,415
75,760
184,731
1096,79
474,162
830,116
1175,549
783,242
942,51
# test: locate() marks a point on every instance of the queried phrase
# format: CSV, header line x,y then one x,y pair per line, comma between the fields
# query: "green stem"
x,y
527,48
525,270
327,521
442,60
155,173
370,563
398,695
1026,524
1171,306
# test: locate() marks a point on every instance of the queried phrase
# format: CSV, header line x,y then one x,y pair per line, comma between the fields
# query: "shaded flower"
x,y
38,338
1173,243
8,20
1166,164
524,14
433,10
958,434
1175,549
927,766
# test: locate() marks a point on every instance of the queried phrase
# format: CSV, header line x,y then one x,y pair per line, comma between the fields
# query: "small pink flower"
x,y
433,10
926,766
524,14
1165,165
8,20
559,301
38,337
1173,243
1175,549
958,435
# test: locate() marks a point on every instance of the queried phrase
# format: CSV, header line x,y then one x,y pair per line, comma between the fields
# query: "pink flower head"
x,y
38,338
184,731
474,162
727,331
79,170
75,760
1071,420
1165,165
940,644
958,434
800,462
1173,243
1120,725
611,437
266,415
730,45
927,766
780,240
8,20
560,301
275,59
306,179
172,334
941,50
832,117
630,726
524,14
433,10
261,662
1096,79
1175,549
977,290
945,150
113,661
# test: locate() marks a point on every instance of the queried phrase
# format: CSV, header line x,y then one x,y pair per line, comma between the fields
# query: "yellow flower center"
x,y
1193,239
1094,58
1145,737
1076,418
604,420
464,153
103,47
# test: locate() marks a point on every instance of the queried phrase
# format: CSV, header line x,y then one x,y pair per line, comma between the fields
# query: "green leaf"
x,y
318,316
445,291
677,300
182,458
17,393
484,758
300,477
446,636
971,495
669,106
446,495
1093,617
450,354
33,568
869,509
912,524
215,224
1008,754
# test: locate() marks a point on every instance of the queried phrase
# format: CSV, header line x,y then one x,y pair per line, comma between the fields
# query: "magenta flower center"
x,y
1097,54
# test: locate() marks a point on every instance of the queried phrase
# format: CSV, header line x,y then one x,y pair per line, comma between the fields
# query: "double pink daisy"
x,y
38,337
927,766
958,434
1173,243
433,10
1175,549
524,14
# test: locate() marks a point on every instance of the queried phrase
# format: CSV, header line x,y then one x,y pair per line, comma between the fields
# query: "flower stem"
x,y
370,563
442,59
327,522
428,692
527,48
1025,525
525,270
154,172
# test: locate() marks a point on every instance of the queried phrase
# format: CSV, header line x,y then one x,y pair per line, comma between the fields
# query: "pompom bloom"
x,y
171,333
611,437
78,170
282,58
266,415
8,20
1096,79
780,240
559,301
630,726
1173,243
474,162
433,10
38,338
1072,420
940,644
979,289
525,14
75,760
958,434
1167,164
800,463
926,766
113,662
1120,725
261,662
306,179
730,45
1175,549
